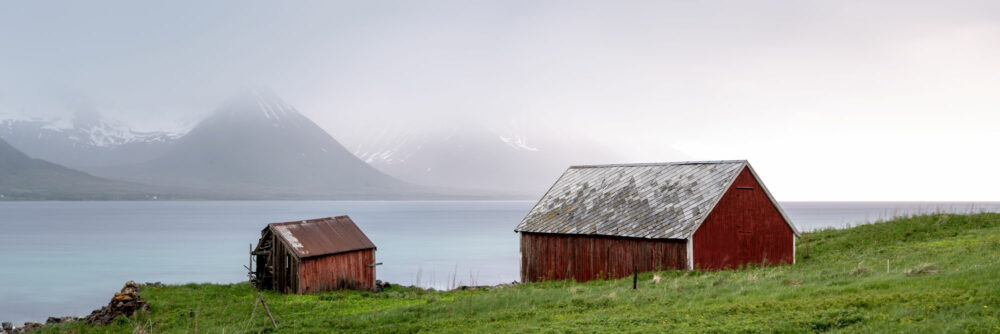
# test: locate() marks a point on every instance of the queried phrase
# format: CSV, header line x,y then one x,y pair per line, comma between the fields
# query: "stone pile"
x,y
7,327
126,302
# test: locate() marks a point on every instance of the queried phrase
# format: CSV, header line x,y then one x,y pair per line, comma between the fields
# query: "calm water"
x,y
66,258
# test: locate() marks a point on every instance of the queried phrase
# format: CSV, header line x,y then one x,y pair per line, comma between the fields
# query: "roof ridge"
x,y
653,201
321,236
669,163
313,220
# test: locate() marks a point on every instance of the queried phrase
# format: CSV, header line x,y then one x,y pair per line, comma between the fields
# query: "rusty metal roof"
x,y
658,200
322,236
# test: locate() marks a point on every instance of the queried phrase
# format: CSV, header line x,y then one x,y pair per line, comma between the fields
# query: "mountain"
x,y
84,141
22,177
258,146
472,155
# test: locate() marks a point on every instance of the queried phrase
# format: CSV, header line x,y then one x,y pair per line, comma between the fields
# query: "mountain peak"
x,y
259,102
257,144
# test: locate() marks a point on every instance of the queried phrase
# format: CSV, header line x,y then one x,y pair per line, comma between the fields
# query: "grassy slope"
x,y
824,291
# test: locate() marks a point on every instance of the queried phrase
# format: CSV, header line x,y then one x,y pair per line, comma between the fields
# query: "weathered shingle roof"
x,y
659,200
322,236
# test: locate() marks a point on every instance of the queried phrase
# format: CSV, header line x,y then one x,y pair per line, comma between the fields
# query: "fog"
x,y
845,100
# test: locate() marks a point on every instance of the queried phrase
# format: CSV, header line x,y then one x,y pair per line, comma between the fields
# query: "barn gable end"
x,y
745,226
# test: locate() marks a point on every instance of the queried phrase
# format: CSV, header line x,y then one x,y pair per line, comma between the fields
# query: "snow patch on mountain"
x,y
518,142
273,108
388,148
96,133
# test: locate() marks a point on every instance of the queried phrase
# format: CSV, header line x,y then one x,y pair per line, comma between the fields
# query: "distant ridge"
x,y
515,159
257,146
24,178
84,141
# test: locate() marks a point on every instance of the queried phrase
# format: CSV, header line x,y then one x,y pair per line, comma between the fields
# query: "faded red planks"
x,y
745,227
586,257
345,270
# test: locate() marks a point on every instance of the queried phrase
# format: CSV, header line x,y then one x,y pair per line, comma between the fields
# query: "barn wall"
x,y
745,227
338,271
585,257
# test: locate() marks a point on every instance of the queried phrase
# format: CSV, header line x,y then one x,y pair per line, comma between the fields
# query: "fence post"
x,y
635,276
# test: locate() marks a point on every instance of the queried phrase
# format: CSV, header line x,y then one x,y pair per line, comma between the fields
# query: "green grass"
x,y
943,276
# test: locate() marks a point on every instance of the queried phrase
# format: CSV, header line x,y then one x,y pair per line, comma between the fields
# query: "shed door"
x,y
744,225
744,240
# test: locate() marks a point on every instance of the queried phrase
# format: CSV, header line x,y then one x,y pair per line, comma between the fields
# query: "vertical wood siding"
x,y
585,257
350,270
285,278
745,227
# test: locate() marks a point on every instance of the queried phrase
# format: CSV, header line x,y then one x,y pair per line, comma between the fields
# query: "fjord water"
x,y
67,258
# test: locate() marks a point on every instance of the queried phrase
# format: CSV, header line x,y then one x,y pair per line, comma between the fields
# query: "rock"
x,y
7,326
28,326
381,286
55,320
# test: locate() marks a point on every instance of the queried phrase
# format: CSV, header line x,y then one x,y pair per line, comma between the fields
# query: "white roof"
x,y
655,201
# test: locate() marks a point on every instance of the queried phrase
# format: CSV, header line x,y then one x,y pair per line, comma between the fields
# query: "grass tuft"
x,y
922,269
860,270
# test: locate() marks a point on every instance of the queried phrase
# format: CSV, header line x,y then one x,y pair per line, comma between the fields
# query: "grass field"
x,y
934,273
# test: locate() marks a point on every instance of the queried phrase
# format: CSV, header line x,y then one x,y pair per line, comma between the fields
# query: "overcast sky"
x,y
836,100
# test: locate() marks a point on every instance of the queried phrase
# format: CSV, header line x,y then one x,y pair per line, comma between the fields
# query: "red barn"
x,y
599,222
314,255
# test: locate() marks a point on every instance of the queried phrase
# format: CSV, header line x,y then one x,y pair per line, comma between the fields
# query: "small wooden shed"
x,y
605,221
314,255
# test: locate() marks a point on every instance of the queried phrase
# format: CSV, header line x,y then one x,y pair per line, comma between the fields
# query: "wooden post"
x,y
635,276
275,324
808,253
374,288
